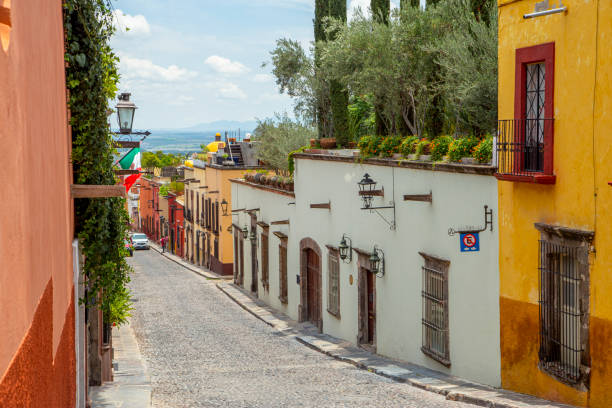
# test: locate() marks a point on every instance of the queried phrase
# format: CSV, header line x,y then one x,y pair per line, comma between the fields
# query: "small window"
x,y
435,342
282,270
265,278
564,299
333,286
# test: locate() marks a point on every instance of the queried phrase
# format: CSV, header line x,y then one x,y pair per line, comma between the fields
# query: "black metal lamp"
x,y
377,262
346,249
224,204
245,232
366,188
125,113
253,236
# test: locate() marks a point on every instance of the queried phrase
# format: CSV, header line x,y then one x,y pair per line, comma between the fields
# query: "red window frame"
x,y
529,55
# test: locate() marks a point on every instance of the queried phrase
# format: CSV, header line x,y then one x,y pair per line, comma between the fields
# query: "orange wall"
x,y
36,226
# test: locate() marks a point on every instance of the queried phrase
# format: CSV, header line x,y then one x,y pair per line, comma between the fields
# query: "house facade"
x,y
42,343
553,149
398,257
195,186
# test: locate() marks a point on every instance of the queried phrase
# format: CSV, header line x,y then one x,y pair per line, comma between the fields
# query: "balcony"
x,y
524,150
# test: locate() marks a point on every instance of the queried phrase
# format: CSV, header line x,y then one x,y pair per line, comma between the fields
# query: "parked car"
x,y
129,246
140,241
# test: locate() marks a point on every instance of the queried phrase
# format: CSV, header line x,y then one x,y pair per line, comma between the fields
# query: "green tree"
x,y
380,10
338,92
101,224
294,71
323,112
278,137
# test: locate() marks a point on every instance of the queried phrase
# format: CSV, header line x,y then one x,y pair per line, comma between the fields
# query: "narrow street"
x,y
204,350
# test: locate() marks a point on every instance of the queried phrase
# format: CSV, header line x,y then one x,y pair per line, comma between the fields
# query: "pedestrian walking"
x,y
164,240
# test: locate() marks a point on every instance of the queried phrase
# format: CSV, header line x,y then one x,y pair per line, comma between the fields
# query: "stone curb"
x,y
453,388
192,268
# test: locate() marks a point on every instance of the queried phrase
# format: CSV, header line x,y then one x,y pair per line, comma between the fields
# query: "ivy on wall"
x,y
101,224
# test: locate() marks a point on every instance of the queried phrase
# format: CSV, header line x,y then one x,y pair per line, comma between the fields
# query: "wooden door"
x,y
313,277
371,306
254,283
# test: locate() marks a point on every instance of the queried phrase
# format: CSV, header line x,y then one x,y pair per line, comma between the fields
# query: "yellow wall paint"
x,y
218,179
582,157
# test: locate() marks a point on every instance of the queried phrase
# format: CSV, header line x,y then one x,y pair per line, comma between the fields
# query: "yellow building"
x,y
555,204
195,188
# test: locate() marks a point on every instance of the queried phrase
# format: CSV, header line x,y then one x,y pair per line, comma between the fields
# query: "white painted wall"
x,y
458,200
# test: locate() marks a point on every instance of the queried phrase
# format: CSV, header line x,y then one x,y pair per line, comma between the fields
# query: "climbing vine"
x,y
101,224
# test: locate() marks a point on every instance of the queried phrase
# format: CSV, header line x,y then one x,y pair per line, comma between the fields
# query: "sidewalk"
x,y
132,385
453,388
193,268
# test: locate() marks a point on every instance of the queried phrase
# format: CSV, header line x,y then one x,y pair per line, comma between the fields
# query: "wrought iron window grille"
x,y
562,311
521,146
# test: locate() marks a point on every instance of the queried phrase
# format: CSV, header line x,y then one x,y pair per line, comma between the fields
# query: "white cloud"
x,y
136,68
225,66
131,25
261,78
229,90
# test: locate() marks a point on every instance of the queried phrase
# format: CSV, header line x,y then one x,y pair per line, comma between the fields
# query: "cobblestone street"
x,y
204,350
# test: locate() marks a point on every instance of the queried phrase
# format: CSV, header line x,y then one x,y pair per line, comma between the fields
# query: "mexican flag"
x,y
130,181
131,160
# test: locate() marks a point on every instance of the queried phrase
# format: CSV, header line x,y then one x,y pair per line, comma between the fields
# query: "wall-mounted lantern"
x,y
245,232
377,262
224,204
367,191
125,113
253,236
346,249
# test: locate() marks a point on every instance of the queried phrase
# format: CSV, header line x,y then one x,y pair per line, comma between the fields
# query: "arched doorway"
x,y
310,308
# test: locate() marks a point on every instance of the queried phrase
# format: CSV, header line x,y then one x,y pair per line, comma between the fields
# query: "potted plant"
x,y
483,153
423,150
328,142
462,148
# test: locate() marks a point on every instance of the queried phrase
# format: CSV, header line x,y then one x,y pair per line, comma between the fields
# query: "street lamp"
x,y
245,232
224,204
346,249
377,262
367,187
125,113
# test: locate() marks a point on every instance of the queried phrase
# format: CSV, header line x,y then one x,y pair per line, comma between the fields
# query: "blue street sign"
x,y
469,242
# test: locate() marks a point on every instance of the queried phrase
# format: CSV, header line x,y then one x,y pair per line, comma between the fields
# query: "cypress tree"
x,y
380,14
338,93
321,12
381,10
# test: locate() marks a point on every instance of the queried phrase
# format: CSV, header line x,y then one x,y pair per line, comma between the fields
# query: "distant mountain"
x,y
219,126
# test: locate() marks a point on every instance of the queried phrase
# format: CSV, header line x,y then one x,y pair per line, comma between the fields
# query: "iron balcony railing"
x,y
522,145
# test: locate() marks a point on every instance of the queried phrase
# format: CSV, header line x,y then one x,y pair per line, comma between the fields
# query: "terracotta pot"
x,y
313,142
328,142
352,145
290,186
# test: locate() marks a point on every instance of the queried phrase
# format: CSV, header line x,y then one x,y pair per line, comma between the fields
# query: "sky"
x,y
196,61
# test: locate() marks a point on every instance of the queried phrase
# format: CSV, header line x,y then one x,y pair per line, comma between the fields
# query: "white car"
x,y
140,241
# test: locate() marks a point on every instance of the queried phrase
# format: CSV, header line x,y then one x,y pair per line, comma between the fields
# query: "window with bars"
x,y
563,300
265,263
282,270
434,294
333,286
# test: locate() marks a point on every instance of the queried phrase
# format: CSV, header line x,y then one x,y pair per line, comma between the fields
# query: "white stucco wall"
x,y
458,200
